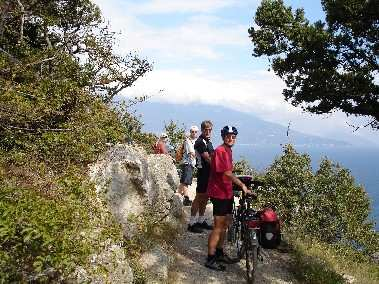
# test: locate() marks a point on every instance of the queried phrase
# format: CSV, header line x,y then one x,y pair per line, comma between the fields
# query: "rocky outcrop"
x,y
135,184
157,263
109,266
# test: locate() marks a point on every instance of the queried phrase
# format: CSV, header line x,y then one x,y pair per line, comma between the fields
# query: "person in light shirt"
x,y
188,164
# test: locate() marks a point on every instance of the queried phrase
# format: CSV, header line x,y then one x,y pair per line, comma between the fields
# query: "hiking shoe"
x,y
214,265
205,226
226,259
194,228
187,201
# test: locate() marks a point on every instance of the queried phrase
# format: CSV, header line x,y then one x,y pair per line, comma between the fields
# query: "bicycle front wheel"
x,y
251,255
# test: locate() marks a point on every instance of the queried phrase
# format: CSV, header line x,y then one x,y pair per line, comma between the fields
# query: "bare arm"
x,y
236,181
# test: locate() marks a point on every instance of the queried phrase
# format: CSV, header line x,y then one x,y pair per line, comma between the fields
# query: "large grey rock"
x,y
157,263
134,182
109,266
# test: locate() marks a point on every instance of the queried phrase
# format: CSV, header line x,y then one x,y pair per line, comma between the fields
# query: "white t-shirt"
x,y
189,147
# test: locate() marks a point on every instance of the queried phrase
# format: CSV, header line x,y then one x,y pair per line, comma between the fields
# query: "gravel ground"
x,y
191,252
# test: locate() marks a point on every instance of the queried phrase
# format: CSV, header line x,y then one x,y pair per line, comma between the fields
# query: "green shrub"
x,y
59,78
288,181
317,262
43,231
311,269
326,205
242,167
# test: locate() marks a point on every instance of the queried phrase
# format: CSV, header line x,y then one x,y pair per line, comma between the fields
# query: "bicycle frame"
x,y
244,232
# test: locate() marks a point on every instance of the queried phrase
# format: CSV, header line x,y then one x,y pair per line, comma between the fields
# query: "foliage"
x,y
146,140
327,205
44,234
59,72
151,231
326,66
339,209
59,75
175,134
317,262
312,269
243,167
288,181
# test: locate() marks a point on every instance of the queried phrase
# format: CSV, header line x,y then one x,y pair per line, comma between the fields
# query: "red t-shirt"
x,y
219,185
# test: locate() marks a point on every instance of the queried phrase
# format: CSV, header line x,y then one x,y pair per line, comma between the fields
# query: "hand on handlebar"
x,y
247,191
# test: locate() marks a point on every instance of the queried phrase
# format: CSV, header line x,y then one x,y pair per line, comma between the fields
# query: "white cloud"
x,y
204,35
181,6
261,94
198,36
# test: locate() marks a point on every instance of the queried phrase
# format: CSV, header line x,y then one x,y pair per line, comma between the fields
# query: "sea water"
x,y
362,162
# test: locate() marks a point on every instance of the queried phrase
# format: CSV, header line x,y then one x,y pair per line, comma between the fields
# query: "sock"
x,y
201,219
192,220
219,251
211,257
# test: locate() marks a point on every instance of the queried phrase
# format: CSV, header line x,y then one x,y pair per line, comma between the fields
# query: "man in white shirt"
x,y
188,164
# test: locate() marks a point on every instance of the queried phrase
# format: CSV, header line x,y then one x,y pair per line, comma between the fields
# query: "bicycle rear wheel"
x,y
232,232
235,241
251,256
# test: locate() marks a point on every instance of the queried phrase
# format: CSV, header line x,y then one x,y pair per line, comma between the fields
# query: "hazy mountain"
x,y
252,129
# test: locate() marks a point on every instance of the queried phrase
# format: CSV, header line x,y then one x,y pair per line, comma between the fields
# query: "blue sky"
x,y
201,53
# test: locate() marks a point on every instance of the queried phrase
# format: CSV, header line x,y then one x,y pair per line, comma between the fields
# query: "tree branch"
x,y
41,61
351,125
4,10
12,58
371,123
36,129
49,45
19,92
22,21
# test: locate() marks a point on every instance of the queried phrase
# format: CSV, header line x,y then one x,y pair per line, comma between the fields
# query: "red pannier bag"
x,y
270,235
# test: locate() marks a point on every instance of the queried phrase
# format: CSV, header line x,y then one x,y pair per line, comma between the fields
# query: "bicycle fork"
x,y
254,242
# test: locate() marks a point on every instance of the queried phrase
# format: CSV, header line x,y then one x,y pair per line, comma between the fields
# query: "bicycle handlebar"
x,y
241,194
249,196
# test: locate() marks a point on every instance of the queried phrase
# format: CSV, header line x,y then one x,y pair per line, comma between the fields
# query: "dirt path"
x,y
191,252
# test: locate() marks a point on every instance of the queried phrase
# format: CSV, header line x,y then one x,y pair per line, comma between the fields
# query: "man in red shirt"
x,y
221,194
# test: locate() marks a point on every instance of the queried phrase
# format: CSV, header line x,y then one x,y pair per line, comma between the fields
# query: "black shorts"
x,y
222,207
202,181
187,174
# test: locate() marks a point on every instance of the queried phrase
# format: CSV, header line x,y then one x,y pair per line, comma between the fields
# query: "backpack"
x,y
179,153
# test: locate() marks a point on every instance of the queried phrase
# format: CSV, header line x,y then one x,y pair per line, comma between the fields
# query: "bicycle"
x,y
244,231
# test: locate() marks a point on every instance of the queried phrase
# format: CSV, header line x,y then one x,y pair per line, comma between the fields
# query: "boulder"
x,y
156,262
109,266
134,182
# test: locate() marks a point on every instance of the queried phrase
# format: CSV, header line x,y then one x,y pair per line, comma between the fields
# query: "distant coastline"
x,y
363,162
